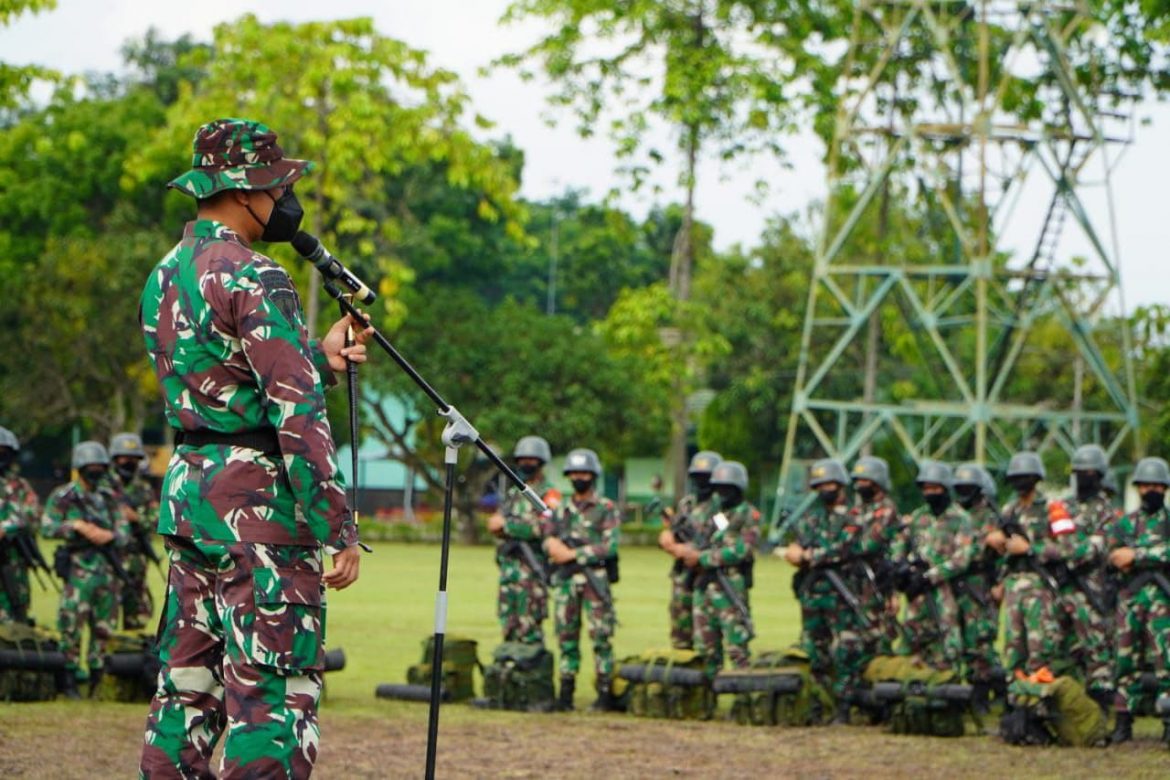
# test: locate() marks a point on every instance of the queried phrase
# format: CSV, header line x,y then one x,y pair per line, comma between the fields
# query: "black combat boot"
x,y
604,701
95,679
68,686
565,699
1123,731
842,716
1104,700
1166,733
981,697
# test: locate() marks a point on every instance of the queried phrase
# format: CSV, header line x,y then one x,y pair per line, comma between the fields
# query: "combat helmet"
x,y
704,462
730,472
1025,464
126,445
874,469
827,470
1090,457
1151,471
533,447
89,453
971,474
8,439
582,460
934,472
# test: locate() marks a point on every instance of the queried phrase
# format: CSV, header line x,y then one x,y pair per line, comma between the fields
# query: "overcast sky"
x,y
462,35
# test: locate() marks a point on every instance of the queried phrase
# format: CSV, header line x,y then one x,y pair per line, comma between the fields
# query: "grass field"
x,y
381,623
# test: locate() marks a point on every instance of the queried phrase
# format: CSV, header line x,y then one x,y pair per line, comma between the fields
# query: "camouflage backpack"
x,y
665,684
778,690
920,698
520,677
131,668
460,660
1059,711
30,663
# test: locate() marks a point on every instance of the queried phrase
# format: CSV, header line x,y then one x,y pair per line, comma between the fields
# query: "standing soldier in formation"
x,y
831,631
1140,550
1032,631
87,517
127,455
976,594
1086,619
722,558
582,541
876,515
252,497
19,515
523,600
933,550
691,514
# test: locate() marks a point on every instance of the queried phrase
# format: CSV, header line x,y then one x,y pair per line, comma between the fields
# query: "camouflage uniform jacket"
x,y
729,537
1034,521
1149,537
945,543
986,564
591,527
1074,532
225,333
19,507
521,520
101,507
830,537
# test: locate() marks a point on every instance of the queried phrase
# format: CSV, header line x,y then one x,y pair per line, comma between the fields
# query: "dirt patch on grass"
x,y
103,740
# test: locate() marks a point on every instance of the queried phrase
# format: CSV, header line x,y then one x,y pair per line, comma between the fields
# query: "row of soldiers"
x,y
574,552
1085,589
104,519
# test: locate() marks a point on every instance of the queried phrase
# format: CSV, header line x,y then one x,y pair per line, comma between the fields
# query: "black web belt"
x,y
262,439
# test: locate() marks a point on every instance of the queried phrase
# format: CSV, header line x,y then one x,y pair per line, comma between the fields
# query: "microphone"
x,y
309,247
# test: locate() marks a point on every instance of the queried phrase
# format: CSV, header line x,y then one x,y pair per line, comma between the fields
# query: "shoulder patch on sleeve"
x,y
278,288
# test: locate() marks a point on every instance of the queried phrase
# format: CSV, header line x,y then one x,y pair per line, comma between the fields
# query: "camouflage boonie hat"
x,y
237,154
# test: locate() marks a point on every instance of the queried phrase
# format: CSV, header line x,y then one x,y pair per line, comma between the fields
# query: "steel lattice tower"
x,y
956,111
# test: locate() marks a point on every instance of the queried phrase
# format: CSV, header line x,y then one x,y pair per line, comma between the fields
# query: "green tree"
x,y
511,370
15,80
720,73
366,108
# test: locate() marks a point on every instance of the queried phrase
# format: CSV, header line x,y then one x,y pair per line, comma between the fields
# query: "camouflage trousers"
x,y
882,633
1089,638
979,628
681,608
1032,633
1142,642
719,627
575,595
523,603
833,639
137,603
932,630
14,578
241,643
89,598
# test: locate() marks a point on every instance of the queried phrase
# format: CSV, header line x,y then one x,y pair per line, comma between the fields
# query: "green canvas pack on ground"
x,y
921,709
657,699
22,649
131,668
1053,712
520,677
809,704
460,660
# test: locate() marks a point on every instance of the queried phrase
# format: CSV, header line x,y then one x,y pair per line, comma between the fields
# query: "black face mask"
x,y
729,496
582,486
285,219
867,493
7,458
938,502
92,476
703,489
527,470
1023,484
967,495
126,471
1152,501
829,497
1088,484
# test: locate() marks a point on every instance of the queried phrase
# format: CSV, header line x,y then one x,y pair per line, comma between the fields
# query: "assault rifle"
x,y
513,547
138,532
830,573
569,569
26,547
1011,526
719,575
11,591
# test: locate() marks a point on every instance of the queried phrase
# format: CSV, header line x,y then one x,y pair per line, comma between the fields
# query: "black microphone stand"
x,y
456,433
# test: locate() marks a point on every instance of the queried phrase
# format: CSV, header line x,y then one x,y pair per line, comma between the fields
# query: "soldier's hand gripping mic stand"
x,y
456,433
